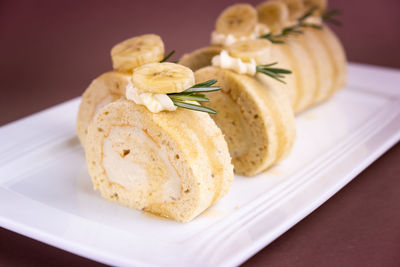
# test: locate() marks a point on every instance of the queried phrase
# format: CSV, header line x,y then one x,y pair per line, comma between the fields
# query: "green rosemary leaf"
x,y
204,84
329,17
331,13
269,73
186,94
296,29
190,97
167,56
202,89
267,65
272,40
266,36
194,107
277,70
277,41
315,26
292,29
275,73
273,76
192,94
308,14
276,38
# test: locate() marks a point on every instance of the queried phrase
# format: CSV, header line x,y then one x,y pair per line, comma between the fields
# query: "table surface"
x,y
52,50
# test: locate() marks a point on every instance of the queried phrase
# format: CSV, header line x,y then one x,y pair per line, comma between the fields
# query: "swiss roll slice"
x,y
174,164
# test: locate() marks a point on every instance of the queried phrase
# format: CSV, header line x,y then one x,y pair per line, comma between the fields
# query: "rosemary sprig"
x,y
192,94
307,14
277,38
194,107
329,17
296,29
275,73
271,37
167,56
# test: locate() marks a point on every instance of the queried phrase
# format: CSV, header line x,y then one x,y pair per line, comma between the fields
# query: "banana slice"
x,y
137,51
200,58
321,5
274,14
238,20
296,8
258,50
162,78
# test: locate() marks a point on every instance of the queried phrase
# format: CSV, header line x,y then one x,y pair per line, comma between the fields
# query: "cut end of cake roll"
x,y
158,162
256,119
103,90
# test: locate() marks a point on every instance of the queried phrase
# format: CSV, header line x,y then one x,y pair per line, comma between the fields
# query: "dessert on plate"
x,y
302,42
286,40
154,148
254,110
165,138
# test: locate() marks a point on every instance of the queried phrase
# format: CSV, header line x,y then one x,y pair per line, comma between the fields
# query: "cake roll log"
x,y
300,85
304,70
255,117
316,58
105,89
200,58
337,55
324,66
174,164
284,61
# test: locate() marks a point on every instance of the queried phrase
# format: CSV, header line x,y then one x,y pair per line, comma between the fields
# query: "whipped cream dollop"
x,y
153,102
225,61
228,39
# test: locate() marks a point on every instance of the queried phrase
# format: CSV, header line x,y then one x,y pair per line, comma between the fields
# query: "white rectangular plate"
x,y
46,193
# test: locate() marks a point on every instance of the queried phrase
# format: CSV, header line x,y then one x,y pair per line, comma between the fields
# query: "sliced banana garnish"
x,y
162,78
258,50
296,8
137,51
238,20
274,14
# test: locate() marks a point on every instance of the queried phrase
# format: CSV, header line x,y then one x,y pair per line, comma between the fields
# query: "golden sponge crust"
x,y
197,151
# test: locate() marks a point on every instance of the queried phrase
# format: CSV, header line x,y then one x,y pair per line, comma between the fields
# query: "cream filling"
x,y
132,171
228,39
225,61
153,102
120,169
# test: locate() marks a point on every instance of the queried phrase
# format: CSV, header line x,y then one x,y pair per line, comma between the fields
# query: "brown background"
x,y
51,50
